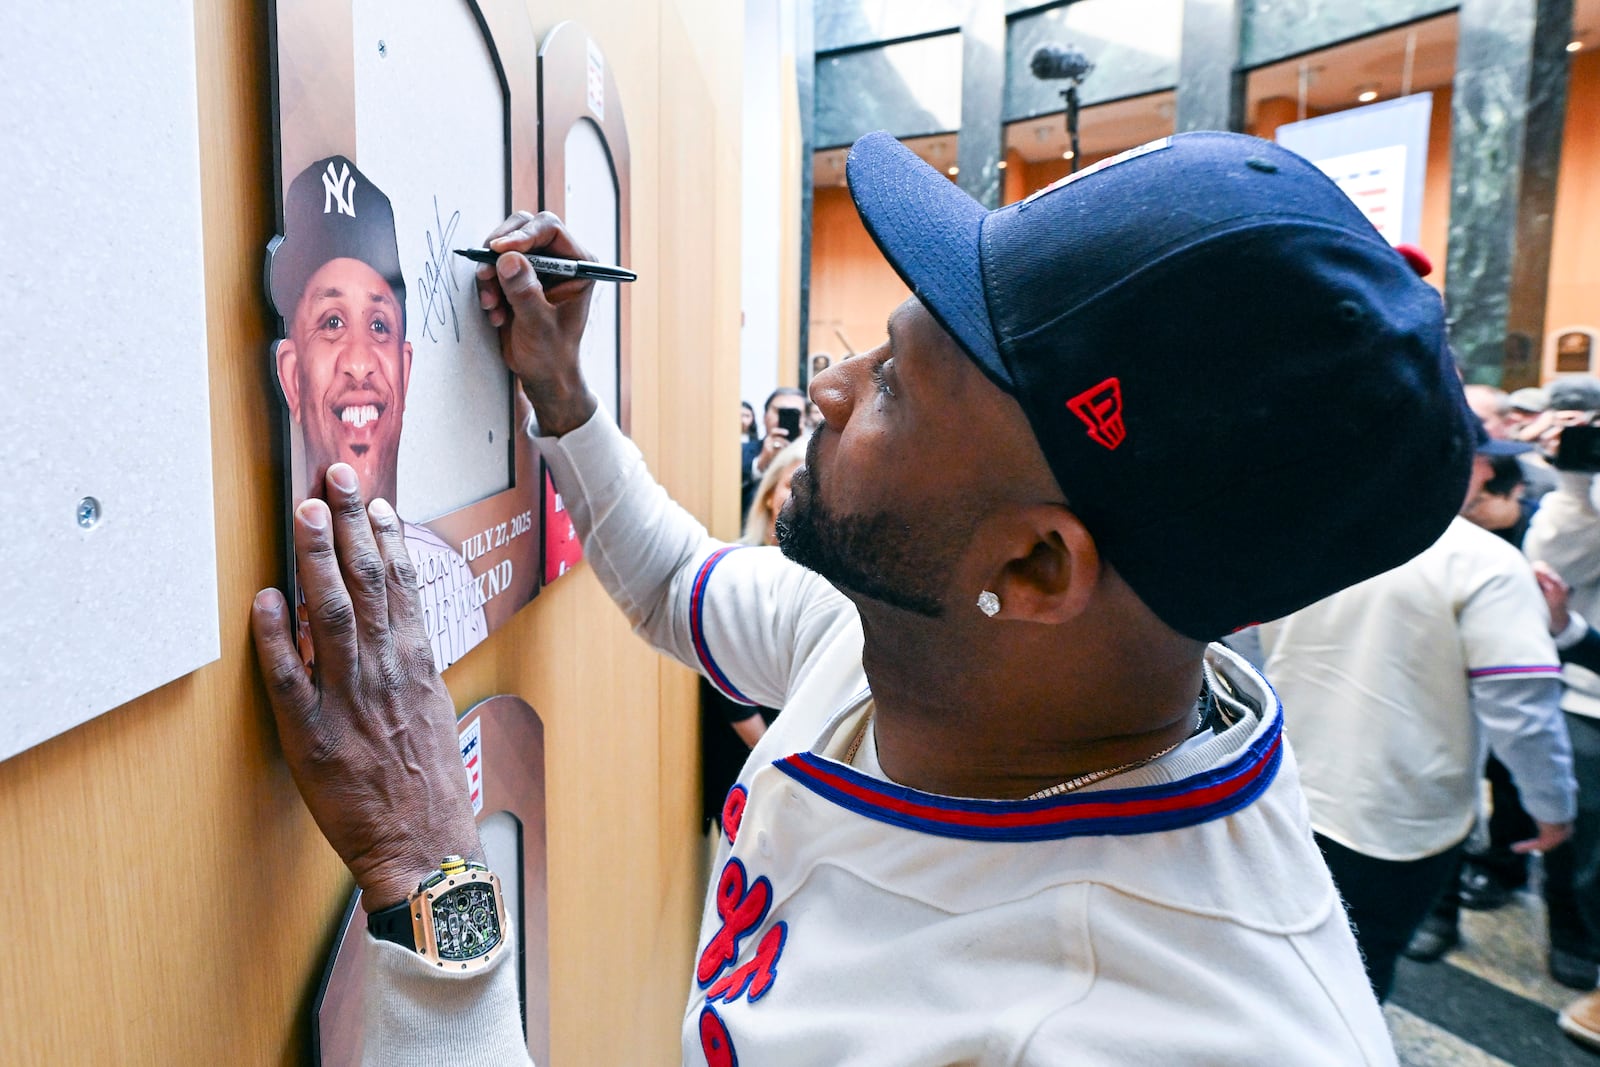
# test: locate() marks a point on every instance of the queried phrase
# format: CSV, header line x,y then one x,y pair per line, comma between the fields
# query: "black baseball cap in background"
x,y
1242,390
332,212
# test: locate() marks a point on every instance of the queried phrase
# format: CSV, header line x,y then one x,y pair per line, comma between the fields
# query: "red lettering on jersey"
x,y
1100,408
741,910
715,1042
733,812
756,976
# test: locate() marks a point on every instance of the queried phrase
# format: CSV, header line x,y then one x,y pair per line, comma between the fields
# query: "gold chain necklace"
x,y
1095,776
855,744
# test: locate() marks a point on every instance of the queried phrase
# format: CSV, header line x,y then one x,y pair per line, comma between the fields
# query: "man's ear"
x,y
405,372
1054,570
289,376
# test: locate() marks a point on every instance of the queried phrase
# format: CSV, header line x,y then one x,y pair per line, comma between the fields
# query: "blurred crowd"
x,y
1446,714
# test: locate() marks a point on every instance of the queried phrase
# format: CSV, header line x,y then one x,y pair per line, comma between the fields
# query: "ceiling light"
x,y
1367,96
1001,164
1067,154
1575,46
953,171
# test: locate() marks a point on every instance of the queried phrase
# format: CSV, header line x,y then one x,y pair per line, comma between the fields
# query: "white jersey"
x,y
1395,684
1176,914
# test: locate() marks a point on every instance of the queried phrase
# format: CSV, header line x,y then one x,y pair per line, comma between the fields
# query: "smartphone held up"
x,y
1579,449
789,422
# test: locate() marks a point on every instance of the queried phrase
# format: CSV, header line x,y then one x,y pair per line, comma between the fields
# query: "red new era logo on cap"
x,y
1100,408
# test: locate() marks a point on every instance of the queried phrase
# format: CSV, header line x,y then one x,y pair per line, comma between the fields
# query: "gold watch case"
x,y
458,917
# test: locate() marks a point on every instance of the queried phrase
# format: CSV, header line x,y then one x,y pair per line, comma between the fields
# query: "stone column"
x,y
983,91
1507,112
1210,87
805,80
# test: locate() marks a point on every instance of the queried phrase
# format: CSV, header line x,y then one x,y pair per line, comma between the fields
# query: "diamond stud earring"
x,y
988,603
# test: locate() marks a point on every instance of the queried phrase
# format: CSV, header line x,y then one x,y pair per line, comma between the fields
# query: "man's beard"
x,y
882,555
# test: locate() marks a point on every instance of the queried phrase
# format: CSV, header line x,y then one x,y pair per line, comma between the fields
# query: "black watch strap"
x,y
393,924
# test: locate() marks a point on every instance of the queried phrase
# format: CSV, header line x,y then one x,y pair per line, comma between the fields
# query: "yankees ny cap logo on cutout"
x,y
339,189
1100,408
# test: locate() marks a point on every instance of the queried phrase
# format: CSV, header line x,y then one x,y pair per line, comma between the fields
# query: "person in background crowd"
x,y
761,521
1523,406
1502,507
1565,535
747,421
813,417
1491,406
1511,418
1389,688
1576,638
1579,643
1488,874
758,454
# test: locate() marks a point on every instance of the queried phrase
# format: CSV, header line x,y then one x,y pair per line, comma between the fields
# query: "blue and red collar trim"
x,y
1119,812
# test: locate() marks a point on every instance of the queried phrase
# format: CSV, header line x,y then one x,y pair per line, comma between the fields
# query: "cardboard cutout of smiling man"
x,y
335,279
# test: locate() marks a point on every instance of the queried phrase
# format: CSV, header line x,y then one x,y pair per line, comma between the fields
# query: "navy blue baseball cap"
x,y
1494,447
1243,391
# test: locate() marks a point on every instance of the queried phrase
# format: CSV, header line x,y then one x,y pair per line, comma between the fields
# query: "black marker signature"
x,y
439,284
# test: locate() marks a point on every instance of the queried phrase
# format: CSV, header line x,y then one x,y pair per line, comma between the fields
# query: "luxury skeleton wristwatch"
x,y
456,919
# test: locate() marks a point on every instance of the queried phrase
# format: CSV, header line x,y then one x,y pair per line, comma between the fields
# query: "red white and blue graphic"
x,y
472,761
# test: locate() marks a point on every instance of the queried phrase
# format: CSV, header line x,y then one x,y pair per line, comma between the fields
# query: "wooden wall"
x,y
853,288
1575,250
180,901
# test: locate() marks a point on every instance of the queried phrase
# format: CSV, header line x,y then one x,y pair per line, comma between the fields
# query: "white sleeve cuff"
x,y
1577,626
420,1016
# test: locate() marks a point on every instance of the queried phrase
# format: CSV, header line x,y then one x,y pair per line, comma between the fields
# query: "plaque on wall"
x,y
502,753
1574,351
583,155
405,130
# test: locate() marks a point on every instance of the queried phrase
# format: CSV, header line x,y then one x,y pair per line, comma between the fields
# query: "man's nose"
x,y
833,393
358,357
836,390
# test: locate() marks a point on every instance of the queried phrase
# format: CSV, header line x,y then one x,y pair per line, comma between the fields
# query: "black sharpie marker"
x,y
565,268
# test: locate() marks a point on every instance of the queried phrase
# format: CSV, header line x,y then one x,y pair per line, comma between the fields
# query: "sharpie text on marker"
x,y
565,268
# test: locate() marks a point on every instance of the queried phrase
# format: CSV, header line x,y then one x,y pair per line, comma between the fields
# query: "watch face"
x,y
465,922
